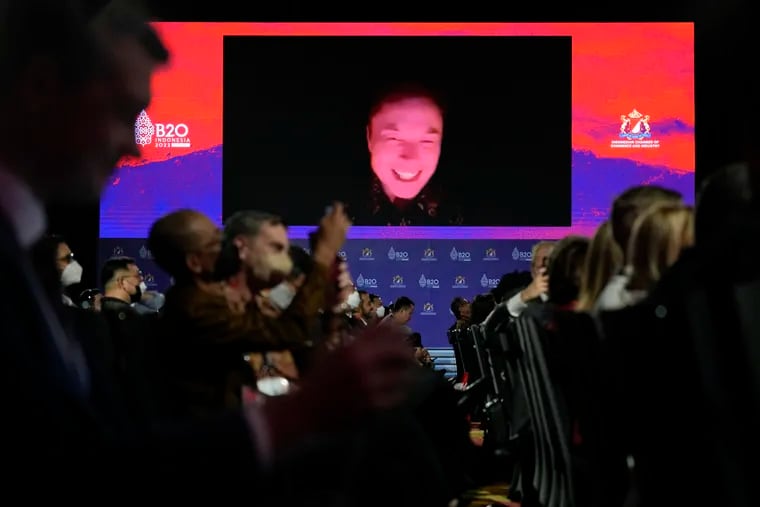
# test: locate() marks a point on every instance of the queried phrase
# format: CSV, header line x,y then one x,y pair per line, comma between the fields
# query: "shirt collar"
x,y
23,210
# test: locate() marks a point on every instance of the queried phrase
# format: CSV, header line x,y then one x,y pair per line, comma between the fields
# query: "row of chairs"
x,y
518,384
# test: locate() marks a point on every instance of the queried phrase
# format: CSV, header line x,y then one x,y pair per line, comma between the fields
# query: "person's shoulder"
x,y
187,299
611,297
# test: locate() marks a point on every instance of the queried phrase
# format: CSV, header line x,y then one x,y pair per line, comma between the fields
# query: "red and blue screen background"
x,y
617,68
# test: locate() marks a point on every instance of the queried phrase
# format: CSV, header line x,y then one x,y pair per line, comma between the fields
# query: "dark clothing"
x,y
80,437
681,369
132,341
204,342
430,207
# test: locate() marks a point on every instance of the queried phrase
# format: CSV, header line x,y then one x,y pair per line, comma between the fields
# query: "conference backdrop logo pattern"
x,y
430,272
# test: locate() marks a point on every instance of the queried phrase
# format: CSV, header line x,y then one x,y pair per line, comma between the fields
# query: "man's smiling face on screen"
x,y
404,139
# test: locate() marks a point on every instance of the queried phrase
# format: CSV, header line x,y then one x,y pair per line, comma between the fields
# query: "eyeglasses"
x,y
67,258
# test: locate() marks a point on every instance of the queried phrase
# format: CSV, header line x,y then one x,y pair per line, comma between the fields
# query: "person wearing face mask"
x,y
361,309
67,273
378,310
131,345
123,284
211,315
71,273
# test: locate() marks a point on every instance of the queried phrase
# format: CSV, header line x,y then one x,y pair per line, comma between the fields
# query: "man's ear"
x,y
193,263
241,247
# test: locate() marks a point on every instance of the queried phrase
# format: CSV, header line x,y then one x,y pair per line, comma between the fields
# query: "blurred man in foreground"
x,y
60,420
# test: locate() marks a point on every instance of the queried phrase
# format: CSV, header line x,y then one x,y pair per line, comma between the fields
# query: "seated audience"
x,y
462,311
602,262
657,239
536,290
401,313
482,306
626,208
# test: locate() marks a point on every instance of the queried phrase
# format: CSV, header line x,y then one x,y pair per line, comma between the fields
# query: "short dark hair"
x,y
509,283
48,246
402,91
54,29
633,202
113,266
248,223
482,306
374,297
44,255
728,217
240,223
62,32
401,303
456,304
121,18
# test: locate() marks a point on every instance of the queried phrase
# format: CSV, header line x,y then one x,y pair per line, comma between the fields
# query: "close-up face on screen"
x,y
404,137
454,146
473,133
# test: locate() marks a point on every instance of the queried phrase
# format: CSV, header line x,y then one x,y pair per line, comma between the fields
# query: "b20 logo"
x,y
171,130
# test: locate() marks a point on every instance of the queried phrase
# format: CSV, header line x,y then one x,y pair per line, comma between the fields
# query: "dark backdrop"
x,y
295,112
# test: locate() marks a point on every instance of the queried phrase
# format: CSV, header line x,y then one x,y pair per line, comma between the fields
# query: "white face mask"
x,y
380,311
143,287
281,295
354,300
72,274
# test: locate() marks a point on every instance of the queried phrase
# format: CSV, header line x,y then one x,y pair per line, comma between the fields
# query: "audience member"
x,y
94,81
626,208
602,262
462,311
536,290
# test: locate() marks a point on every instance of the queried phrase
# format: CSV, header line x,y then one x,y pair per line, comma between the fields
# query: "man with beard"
x,y
210,318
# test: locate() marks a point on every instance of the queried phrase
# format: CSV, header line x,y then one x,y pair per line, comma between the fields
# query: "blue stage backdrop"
x,y
430,272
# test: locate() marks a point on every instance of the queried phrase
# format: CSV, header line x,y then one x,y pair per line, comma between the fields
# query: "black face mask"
x,y
137,296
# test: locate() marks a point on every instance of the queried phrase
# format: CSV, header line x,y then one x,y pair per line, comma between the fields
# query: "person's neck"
x,y
389,194
205,284
117,294
241,284
239,279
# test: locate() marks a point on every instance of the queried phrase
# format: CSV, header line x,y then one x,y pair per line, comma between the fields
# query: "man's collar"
x,y
114,300
23,210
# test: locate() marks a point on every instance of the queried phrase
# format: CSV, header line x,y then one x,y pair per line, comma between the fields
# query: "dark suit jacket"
x,y
49,432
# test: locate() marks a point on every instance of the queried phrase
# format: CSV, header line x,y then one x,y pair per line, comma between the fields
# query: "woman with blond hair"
x,y
657,239
604,259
